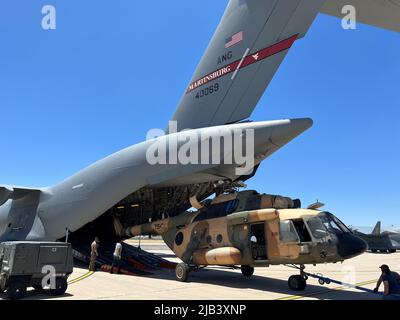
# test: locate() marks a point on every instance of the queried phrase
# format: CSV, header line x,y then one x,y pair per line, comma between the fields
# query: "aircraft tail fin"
x,y
243,56
377,229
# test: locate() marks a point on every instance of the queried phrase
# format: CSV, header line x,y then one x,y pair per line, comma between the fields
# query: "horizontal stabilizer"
x,y
384,14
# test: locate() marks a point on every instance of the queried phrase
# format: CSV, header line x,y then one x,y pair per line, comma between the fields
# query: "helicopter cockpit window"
x,y
302,230
341,225
317,228
333,224
287,232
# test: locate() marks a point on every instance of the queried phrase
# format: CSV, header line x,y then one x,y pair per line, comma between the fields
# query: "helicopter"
x,y
250,230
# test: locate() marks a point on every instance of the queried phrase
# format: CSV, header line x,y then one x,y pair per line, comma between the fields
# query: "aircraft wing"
x,y
380,13
244,54
15,193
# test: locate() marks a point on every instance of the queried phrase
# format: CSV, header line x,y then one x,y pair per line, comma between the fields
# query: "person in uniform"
x,y
94,254
117,257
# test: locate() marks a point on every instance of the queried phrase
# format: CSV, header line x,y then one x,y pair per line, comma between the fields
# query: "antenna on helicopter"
x,y
316,205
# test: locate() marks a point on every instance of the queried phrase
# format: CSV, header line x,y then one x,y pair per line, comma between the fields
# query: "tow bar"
x,y
325,280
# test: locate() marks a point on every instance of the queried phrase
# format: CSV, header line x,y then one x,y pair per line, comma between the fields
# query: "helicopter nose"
x,y
350,246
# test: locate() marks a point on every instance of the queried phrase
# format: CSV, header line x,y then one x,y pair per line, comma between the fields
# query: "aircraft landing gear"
x,y
298,282
182,272
247,271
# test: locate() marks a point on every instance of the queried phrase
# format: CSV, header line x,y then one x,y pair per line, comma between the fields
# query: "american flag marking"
x,y
235,39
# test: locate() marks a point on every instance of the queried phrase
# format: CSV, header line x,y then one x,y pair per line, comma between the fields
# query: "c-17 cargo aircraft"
x,y
119,195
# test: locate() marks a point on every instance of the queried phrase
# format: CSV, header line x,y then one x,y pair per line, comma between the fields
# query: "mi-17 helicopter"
x,y
249,230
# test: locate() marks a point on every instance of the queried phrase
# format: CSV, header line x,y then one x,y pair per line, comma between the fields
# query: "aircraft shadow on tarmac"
x,y
37,295
229,279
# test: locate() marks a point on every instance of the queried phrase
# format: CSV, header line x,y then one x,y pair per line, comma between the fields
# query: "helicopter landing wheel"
x,y
182,272
297,283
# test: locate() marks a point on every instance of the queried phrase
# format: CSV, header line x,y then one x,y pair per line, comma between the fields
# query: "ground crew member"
x,y
391,282
117,257
94,254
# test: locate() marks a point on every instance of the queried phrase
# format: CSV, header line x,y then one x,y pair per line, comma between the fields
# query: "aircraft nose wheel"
x,y
182,272
323,280
297,283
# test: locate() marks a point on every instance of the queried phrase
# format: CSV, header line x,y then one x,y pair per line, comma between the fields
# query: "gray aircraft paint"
x,y
264,24
378,240
384,14
86,195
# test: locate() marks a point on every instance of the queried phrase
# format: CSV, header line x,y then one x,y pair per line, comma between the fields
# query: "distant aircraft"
x,y
387,241
244,54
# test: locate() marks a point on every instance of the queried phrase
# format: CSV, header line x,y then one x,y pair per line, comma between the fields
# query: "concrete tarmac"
x,y
226,284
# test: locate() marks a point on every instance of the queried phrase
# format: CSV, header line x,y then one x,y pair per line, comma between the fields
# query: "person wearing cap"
x,y
94,254
391,283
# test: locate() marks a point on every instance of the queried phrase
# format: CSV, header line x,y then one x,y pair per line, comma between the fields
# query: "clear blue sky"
x,y
115,69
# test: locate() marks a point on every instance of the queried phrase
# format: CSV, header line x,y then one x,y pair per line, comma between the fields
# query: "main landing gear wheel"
x,y
182,272
247,271
297,283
